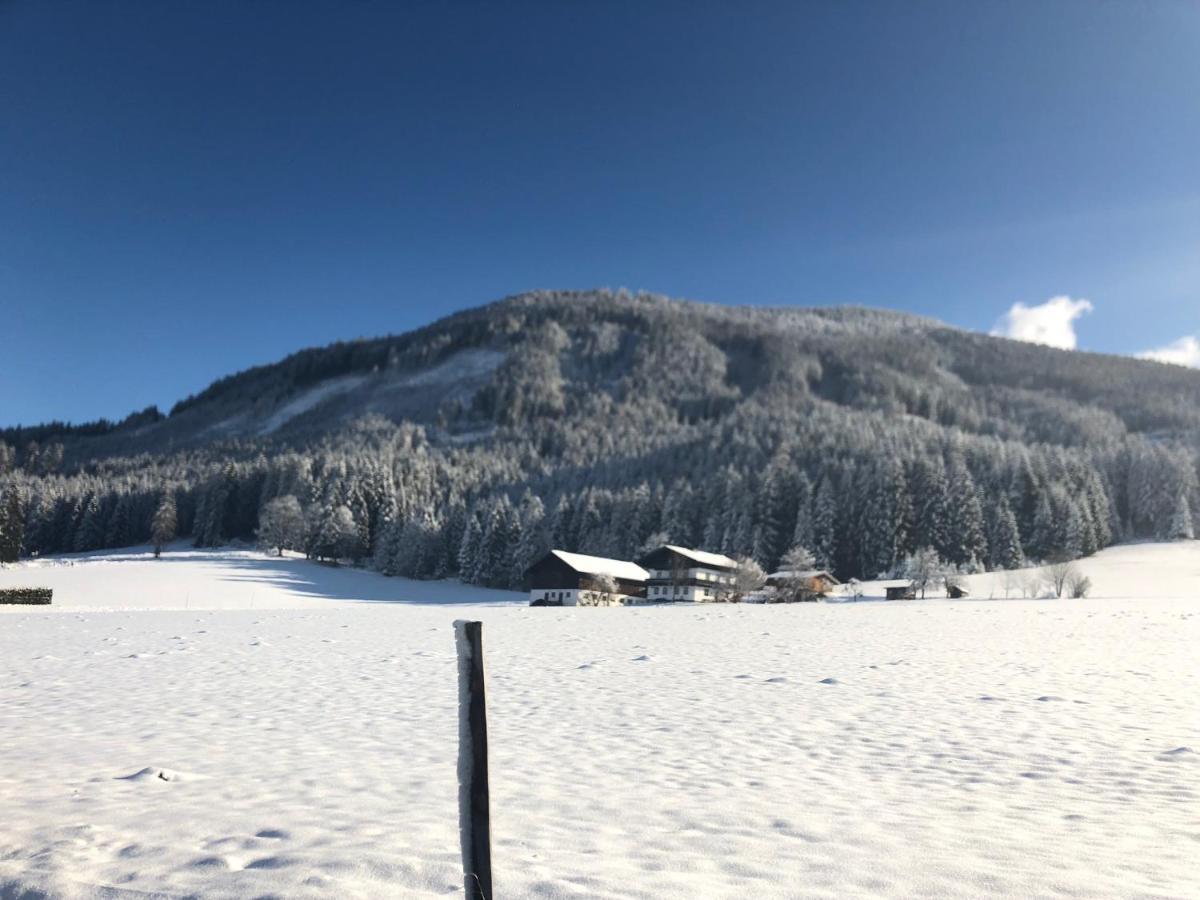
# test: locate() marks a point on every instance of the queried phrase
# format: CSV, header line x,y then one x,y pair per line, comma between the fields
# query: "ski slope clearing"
x,y
945,749
185,578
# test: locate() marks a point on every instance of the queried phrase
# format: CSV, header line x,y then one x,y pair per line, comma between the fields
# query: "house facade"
x,y
572,579
681,575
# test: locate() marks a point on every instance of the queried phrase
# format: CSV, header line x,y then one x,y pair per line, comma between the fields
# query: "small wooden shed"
x,y
898,590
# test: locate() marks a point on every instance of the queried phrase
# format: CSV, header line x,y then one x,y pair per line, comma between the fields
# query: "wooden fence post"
x,y
474,815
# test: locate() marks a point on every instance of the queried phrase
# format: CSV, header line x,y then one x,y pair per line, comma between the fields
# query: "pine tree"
x,y
164,524
533,542
824,525
1004,543
1182,525
470,551
931,505
12,525
966,541
90,534
119,528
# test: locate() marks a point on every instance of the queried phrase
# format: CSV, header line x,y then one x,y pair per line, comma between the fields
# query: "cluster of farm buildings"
x,y
669,574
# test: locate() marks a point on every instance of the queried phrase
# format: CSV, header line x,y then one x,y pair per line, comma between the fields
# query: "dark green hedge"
x,y
26,596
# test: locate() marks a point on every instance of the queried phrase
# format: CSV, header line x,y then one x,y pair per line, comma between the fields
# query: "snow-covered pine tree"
x,y
165,524
12,524
470,551
1004,542
1182,524
966,541
91,531
930,504
824,524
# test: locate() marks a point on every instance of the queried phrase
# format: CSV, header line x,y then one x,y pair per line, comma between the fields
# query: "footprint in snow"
x,y
642,658
776,680
1177,753
828,681
152,773
1048,698
209,862
270,862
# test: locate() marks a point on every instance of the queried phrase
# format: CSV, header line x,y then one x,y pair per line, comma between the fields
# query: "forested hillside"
x,y
599,421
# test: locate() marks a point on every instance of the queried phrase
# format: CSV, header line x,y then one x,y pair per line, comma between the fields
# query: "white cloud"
x,y
1183,352
1052,322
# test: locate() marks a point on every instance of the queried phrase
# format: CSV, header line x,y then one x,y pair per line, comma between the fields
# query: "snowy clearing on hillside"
x,y
939,748
472,363
310,399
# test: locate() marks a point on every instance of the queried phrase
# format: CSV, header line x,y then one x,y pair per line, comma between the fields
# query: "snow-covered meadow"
x,y
228,725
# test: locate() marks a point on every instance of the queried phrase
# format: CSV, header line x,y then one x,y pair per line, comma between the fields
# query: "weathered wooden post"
x,y
474,816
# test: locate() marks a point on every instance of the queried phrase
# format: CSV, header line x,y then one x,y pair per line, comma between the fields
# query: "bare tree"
x,y
796,582
679,575
1058,573
165,523
602,587
281,524
797,559
748,577
924,568
1010,580
652,543
1078,586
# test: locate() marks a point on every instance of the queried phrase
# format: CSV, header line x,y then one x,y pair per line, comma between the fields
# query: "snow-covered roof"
x,y
600,565
895,583
806,573
704,558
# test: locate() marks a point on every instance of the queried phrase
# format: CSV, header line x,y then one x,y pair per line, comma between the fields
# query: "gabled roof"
x,y
704,558
600,565
806,573
894,583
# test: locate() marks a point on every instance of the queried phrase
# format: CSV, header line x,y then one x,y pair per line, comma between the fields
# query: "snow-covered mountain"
x,y
598,419
540,354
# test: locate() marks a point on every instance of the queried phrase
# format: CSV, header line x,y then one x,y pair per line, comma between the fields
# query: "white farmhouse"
x,y
572,579
679,574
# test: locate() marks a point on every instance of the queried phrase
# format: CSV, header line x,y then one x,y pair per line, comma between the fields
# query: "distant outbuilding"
x,y
898,590
807,584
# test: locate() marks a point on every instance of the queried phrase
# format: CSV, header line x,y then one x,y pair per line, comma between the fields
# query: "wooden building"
x,y
681,575
898,590
809,584
572,579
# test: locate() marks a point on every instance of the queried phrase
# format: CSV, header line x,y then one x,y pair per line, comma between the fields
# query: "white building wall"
x,y
585,598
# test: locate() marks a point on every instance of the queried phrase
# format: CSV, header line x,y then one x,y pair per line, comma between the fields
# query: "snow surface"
x,y
703,557
1145,571
473,362
309,399
602,565
225,579
927,748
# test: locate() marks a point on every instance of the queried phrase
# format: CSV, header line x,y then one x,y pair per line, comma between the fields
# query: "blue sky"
x,y
187,189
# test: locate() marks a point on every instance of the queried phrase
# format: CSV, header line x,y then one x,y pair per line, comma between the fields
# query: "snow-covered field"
x,y
304,747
